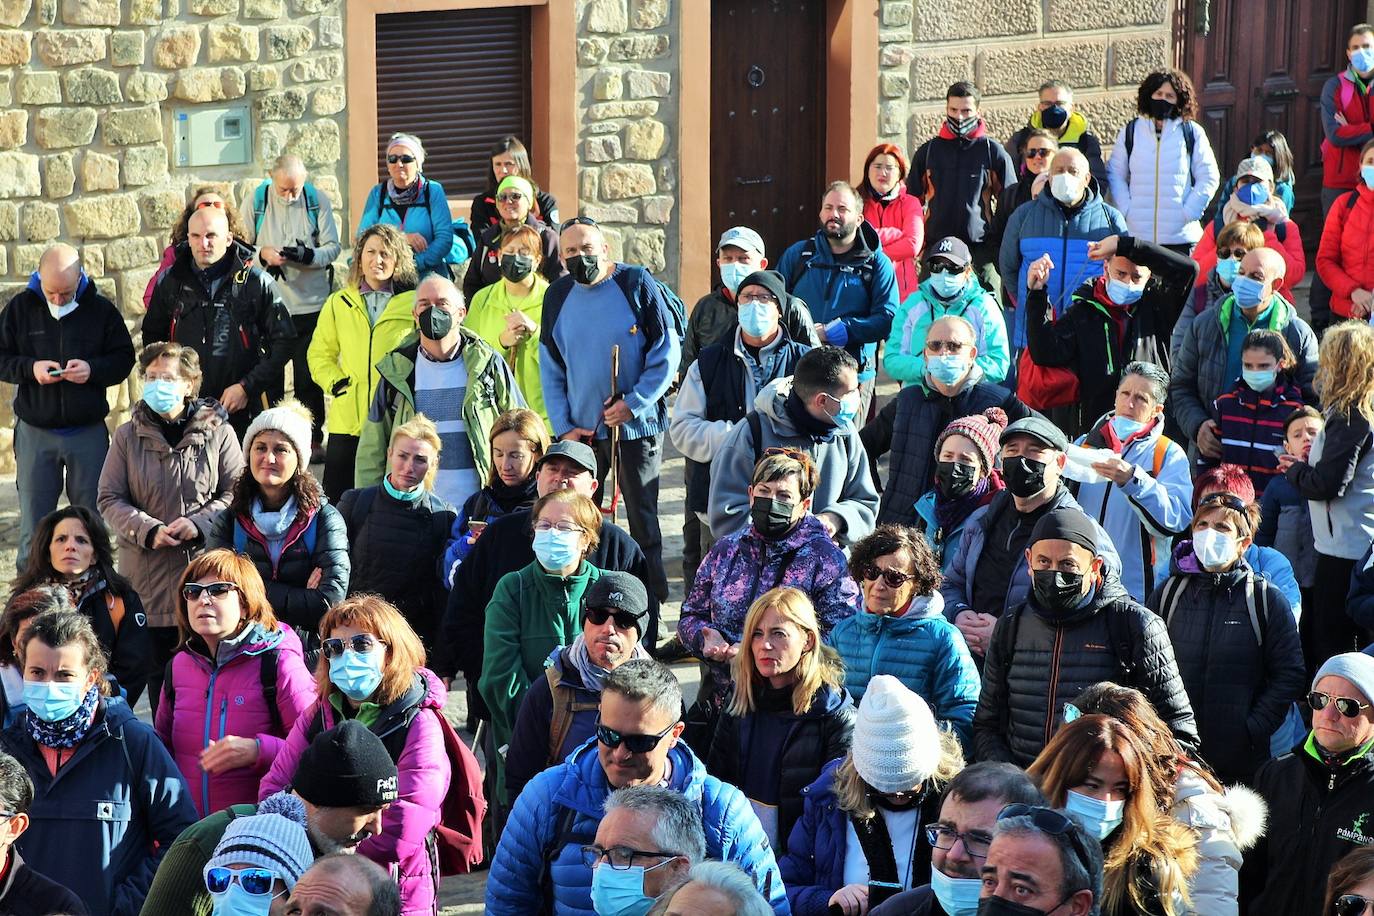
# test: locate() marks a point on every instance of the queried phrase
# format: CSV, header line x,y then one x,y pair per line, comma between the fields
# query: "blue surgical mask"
x,y
1123,293
238,902
1252,194
357,675
947,368
948,285
620,891
1362,59
556,549
848,411
1367,175
162,395
1125,427
1260,379
1248,291
1227,268
1097,817
732,274
53,701
957,896
756,318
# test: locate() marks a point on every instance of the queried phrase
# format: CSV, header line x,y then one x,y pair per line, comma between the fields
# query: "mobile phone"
x,y
476,528
54,372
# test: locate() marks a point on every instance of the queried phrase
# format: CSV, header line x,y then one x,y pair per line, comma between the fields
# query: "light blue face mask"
x,y
620,891
757,318
1123,293
1227,269
947,368
53,701
556,549
238,902
1125,427
1362,59
948,285
162,395
355,674
957,896
1097,817
1367,175
733,273
1260,379
1249,292
849,410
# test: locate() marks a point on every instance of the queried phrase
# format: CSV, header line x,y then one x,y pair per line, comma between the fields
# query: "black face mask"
x,y
998,906
954,479
1024,476
1054,117
1162,109
583,267
1057,591
435,323
516,267
772,518
962,127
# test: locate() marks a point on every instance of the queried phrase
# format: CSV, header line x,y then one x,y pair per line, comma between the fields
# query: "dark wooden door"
x,y
767,118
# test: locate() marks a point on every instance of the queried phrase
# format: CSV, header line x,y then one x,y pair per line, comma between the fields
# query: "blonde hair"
x,y
1247,235
1345,369
853,793
422,429
819,666
526,424
403,275
374,614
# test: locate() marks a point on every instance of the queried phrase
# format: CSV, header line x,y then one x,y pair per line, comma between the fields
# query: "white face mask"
x,y
1215,550
58,312
1065,188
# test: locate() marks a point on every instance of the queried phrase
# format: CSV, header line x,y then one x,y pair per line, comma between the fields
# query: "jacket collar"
x,y
398,366
584,787
85,289
1280,313
1073,131
979,131
206,415
866,244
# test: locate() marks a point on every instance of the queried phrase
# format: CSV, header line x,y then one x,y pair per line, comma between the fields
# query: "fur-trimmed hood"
x,y
1238,810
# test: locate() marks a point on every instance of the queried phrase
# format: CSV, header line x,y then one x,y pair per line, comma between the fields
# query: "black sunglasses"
x,y
943,267
623,619
1351,905
362,643
1344,705
1053,822
892,577
404,160
193,590
1227,500
635,744
1039,152
575,221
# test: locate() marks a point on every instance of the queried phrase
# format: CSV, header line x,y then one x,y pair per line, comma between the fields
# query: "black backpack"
x,y
1189,144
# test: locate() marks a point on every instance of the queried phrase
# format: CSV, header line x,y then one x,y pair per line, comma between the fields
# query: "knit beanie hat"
x,y
274,839
896,741
1355,667
982,430
346,767
520,184
292,419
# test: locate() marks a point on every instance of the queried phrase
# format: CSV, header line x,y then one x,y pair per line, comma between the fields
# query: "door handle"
x,y
766,179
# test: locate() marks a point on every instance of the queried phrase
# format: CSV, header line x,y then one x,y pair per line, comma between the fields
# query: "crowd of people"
x,y
1073,624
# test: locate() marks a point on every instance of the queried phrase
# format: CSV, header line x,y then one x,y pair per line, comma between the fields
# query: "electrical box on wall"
x,y
213,136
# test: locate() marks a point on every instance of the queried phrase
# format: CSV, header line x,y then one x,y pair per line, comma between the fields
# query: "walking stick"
x,y
615,432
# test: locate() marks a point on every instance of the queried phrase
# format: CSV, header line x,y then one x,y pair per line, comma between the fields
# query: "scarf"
x,y
274,525
807,425
510,497
1272,211
68,732
950,514
592,674
82,587
405,197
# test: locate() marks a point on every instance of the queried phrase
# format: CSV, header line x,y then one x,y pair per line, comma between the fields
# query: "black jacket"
x,y
485,214
528,754
715,316
1037,662
1087,144
25,892
1240,687
960,179
130,647
93,332
242,332
484,267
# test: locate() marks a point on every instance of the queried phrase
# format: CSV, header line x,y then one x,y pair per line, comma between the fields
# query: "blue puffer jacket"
x,y
429,217
922,650
1045,226
516,882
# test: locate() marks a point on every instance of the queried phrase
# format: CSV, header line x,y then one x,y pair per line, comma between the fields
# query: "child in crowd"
x,y
1254,412
1285,523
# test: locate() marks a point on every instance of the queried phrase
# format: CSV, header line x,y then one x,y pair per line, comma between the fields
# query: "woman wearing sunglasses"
x,y
1102,774
514,202
236,685
259,859
373,670
1350,889
789,714
414,204
902,630
203,196
509,157
1039,147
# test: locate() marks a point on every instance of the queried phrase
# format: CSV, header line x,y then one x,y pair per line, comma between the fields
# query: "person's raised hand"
x,y
852,899
1038,274
1209,439
1104,249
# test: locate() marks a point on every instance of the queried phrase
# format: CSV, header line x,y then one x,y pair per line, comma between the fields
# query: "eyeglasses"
x,y
1226,254
945,346
510,197
575,221
623,619
362,643
1351,905
621,857
635,744
892,577
1226,500
1346,706
1043,152
202,204
942,837
882,167
193,590
1055,823
256,882
943,267
765,298
795,454
403,159
565,527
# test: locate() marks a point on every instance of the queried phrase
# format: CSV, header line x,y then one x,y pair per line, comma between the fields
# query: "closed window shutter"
x,y
459,80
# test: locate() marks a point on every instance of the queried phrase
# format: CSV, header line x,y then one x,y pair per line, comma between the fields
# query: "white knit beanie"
x,y
896,741
273,838
292,419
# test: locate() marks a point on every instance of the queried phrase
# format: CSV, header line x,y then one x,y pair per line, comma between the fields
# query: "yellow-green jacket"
x,y
347,345
487,318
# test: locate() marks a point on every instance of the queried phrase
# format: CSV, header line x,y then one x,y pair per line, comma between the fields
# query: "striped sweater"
x,y
1252,427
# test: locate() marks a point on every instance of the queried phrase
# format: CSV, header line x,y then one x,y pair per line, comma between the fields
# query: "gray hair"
x,y
1056,84
16,789
959,320
1078,875
677,821
287,162
386,895
730,880
1157,377
644,679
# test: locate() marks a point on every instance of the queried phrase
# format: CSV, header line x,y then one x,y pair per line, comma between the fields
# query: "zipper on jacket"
x,y
1053,683
1159,147
205,741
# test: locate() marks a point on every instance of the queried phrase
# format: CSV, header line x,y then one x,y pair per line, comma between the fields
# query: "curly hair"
x,y
890,538
303,486
1183,88
231,213
403,275
1345,369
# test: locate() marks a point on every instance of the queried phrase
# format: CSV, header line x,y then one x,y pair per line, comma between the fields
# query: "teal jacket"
x,y
904,357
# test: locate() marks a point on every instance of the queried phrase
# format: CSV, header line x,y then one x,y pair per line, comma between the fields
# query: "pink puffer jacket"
x,y
212,702
423,772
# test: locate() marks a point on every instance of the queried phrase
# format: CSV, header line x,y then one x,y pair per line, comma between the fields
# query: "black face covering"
x,y
772,518
516,267
1024,476
435,323
583,267
998,906
954,479
962,127
1162,109
1057,591
1054,117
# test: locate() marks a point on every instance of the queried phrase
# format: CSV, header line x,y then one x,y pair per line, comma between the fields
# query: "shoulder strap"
x,y
1161,450
381,199
362,505
1281,231
1169,598
756,433
566,818
259,206
114,606
1129,138
1257,616
562,712
803,262
1121,640
240,536
1189,144
312,210
1351,199
267,678
169,685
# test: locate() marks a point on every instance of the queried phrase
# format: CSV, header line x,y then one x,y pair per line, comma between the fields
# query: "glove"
x,y
298,253
836,334
341,386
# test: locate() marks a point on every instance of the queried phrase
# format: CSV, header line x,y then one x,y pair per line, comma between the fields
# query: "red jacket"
x,y
1290,247
1341,164
1345,258
901,225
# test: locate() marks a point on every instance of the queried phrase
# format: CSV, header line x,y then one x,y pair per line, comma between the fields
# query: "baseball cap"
x,y
578,452
1037,428
742,237
1257,166
950,249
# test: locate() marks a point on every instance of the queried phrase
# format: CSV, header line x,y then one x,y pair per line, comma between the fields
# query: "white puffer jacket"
x,y
1227,825
1160,195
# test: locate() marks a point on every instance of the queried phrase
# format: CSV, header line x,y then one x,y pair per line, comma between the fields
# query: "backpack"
x,y
863,271
565,706
1189,143
677,313
464,243
267,678
1117,634
1259,616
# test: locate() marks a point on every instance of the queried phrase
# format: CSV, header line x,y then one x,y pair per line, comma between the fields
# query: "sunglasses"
x,y
1226,500
944,346
363,643
635,744
1344,705
944,267
510,198
404,160
1042,153
576,221
193,590
795,454
892,577
623,619
256,882
1055,823
217,204
1351,905
1226,254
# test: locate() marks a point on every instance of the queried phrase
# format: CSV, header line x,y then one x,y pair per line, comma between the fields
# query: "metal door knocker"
x,y
755,76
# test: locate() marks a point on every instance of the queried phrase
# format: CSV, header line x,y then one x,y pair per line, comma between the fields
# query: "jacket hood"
x,y
83,286
1204,806
1185,562
866,244
1249,815
206,415
426,691
1279,317
924,607
770,399
584,787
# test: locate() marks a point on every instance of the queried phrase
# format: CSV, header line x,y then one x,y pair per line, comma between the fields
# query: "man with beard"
x,y
346,779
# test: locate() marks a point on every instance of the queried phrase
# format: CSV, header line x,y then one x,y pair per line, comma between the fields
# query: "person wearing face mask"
x,y
62,344
959,174
784,544
1056,114
644,847
78,744
1040,863
1251,415
1233,243
413,203
514,202
1141,492
1038,146
1210,357
259,859
966,480
1077,627
1101,774
894,212
815,411
1252,197
20,610
24,891
1342,258
1234,638
1123,315
949,289
1162,172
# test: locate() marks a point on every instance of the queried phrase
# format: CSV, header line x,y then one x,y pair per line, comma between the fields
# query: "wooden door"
x,y
767,118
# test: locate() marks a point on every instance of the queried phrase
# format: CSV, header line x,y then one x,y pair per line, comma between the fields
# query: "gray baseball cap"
x,y
579,452
742,237
1037,428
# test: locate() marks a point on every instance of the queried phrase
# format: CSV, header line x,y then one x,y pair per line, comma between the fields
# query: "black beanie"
x,y
770,280
1066,525
346,767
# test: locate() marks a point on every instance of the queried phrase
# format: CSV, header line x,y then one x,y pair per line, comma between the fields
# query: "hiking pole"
x,y
615,431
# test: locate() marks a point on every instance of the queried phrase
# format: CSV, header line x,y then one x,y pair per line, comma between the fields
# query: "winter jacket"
x,y
25,892
302,287
293,602
486,317
423,779
179,885
491,391
241,330
486,506
959,179
1338,480
93,331
742,566
347,346
146,483
957,587
904,357
127,644
813,739
857,289
907,429
717,314
529,753
1360,602
1282,237
1198,376
1283,190
395,550
1075,135
429,216
484,267
1252,427
100,826
540,853
1344,94
1227,824
1286,526
1046,226
214,699
901,224
1145,514
531,613
1161,192
1238,653
943,541
1038,661
1344,260
1318,812
814,866
845,488
485,213
919,648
